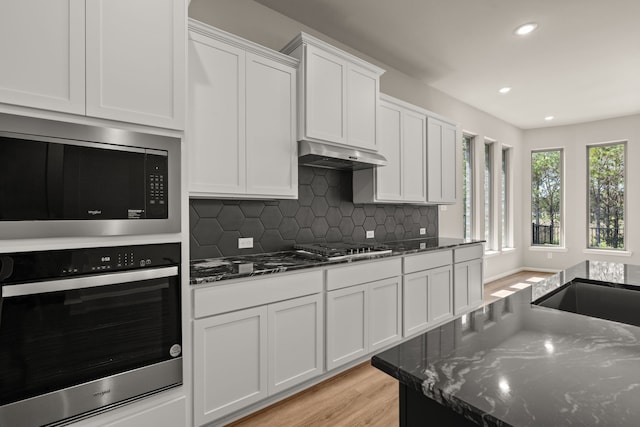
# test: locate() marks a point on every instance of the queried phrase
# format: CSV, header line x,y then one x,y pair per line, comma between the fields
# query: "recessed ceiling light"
x,y
549,118
505,90
525,29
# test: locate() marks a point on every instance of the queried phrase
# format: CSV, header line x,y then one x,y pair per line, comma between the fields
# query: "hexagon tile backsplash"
x,y
324,212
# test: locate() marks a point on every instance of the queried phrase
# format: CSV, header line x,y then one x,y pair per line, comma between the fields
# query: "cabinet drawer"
x,y
362,272
253,292
467,253
426,261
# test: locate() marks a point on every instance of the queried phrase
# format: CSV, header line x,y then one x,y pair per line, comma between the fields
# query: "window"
x,y
488,194
606,164
546,197
504,202
467,186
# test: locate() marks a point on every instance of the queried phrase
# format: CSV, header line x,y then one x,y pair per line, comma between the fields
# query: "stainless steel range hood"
x,y
321,155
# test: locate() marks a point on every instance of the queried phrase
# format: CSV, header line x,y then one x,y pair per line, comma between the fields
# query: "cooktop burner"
x,y
337,251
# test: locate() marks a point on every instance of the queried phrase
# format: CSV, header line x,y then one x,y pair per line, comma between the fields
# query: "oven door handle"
x,y
95,281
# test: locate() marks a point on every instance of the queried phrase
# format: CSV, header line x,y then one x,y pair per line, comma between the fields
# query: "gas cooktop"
x,y
338,251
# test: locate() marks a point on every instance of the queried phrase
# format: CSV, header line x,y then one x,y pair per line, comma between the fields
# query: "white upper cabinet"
x,y
363,89
402,140
338,94
324,77
442,138
117,59
270,133
241,126
42,45
136,61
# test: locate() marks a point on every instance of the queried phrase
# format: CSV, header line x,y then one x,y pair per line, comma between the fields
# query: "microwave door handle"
x,y
95,281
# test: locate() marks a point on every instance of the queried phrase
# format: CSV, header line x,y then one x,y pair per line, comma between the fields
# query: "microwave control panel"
x,y
157,186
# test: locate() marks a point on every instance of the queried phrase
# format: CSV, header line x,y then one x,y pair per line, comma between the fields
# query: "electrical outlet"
x,y
423,231
549,255
245,242
370,234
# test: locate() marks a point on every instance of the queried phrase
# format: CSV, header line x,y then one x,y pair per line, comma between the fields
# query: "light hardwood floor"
x,y
361,396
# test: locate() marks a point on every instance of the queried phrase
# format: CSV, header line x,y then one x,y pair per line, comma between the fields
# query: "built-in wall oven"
x,y
63,179
83,330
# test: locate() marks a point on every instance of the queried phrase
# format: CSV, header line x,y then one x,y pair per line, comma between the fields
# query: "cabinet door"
x,y
362,107
415,302
325,96
476,282
42,48
414,157
295,341
347,325
449,164
428,299
230,363
441,162
216,128
272,161
440,294
389,178
385,313
468,286
136,61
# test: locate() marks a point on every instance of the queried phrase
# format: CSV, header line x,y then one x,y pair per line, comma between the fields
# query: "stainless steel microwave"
x,y
63,179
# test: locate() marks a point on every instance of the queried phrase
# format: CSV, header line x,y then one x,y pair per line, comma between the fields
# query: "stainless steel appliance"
x,y
321,155
339,251
63,179
82,330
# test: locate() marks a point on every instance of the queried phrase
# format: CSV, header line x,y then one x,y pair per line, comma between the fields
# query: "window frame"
x,y
588,147
561,236
506,202
488,182
468,224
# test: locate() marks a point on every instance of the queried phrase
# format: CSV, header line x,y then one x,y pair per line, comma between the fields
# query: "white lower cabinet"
x,y
428,299
385,312
468,286
245,356
230,363
363,318
347,325
295,341
468,278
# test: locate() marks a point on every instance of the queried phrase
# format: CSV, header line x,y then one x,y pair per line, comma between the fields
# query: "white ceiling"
x,y
581,64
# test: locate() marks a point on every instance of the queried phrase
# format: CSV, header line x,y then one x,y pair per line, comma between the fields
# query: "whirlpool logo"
x,y
95,212
101,393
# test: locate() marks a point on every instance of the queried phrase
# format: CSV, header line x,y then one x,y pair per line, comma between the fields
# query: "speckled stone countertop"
x,y
517,364
234,267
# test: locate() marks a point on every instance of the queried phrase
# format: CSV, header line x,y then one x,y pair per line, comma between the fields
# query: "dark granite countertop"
x,y
234,267
512,363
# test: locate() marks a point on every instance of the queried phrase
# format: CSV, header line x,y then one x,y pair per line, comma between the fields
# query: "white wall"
x,y
573,139
262,25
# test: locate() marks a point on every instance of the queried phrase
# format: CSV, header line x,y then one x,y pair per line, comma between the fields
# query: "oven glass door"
x,y
63,333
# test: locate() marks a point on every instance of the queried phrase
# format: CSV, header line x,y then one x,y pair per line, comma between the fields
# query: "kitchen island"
x,y
512,363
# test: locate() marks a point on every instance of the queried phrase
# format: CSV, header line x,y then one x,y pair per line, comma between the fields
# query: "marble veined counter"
x,y
512,363
214,269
